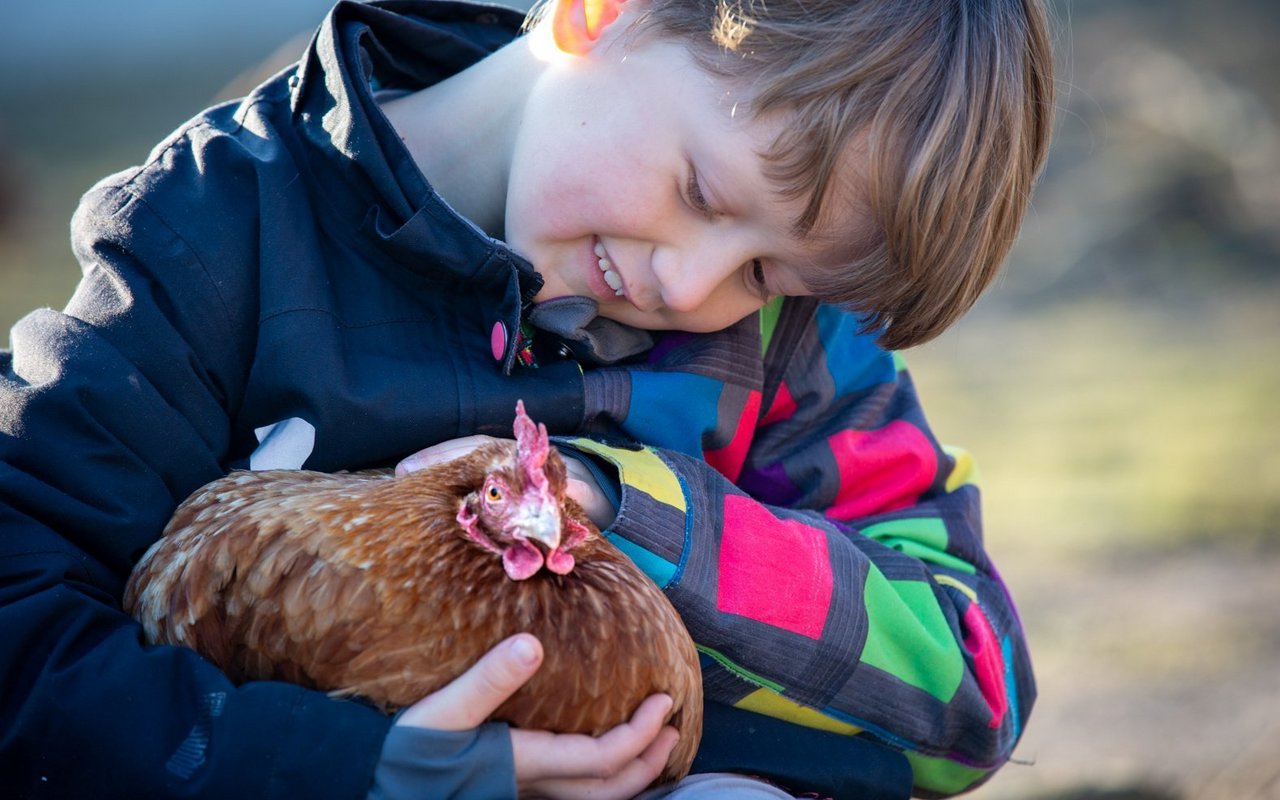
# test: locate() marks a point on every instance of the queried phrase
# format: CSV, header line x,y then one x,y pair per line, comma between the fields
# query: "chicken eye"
x,y
494,494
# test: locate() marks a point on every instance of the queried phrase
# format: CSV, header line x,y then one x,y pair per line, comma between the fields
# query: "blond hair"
x,y
949,101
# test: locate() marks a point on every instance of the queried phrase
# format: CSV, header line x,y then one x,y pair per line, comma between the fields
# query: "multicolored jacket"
x,y
824,549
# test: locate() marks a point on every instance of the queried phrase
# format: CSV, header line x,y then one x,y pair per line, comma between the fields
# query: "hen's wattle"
x,y
388,587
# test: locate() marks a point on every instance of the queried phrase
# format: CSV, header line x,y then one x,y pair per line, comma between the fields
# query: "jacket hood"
x,y
397,46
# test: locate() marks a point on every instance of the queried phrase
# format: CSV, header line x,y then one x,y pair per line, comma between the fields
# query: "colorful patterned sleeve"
x,y
823,548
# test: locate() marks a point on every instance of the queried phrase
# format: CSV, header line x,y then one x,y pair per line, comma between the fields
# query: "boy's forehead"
x,y
844,229
844,235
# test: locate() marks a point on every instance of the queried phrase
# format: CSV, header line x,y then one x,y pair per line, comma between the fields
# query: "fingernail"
x,y
665,704
408,465
524,651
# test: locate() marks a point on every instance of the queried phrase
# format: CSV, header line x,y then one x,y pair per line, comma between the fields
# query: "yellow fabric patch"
x,y
947,580
966,470
772,704
640,469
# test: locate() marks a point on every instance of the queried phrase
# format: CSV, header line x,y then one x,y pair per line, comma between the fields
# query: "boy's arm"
x,y
830,565
109,415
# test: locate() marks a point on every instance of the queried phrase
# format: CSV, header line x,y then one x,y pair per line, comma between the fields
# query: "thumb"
x,y
470,698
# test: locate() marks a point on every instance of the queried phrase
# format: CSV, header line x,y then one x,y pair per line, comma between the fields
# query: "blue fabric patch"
x,y
659,570
673,410
1011,686
854,361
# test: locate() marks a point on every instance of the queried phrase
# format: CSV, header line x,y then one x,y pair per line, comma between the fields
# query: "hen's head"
x,y
518,510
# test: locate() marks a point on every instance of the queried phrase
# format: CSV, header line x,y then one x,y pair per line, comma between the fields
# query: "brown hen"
x,y
389,587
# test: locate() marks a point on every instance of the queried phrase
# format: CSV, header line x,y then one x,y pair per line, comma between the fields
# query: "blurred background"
x,y
1119,386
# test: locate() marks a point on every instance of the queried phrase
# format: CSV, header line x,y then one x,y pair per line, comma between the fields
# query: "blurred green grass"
x,y
1101,425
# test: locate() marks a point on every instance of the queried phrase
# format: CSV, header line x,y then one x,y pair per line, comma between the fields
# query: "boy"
x,y
627,218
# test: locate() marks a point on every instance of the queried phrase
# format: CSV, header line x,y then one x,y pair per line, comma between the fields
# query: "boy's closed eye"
x,y
758,282
695,197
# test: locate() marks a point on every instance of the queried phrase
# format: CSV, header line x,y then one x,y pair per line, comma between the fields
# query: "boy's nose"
x,y
689,280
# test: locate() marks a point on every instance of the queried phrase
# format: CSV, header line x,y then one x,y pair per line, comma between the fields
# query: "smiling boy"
x,y
626,174
684,233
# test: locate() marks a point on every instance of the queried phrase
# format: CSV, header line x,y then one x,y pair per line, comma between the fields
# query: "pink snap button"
x,y
498,340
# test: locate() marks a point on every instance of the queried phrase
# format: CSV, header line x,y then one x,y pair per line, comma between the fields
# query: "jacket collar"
x,y
358,163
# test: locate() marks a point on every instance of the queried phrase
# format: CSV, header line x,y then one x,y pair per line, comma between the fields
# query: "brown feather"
x,y
365,584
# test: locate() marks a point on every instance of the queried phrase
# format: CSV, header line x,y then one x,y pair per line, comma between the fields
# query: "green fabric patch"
x,y
768,321
940,775
924,538
908,636
724,661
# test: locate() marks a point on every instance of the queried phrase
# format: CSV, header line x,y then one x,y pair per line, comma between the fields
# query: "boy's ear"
x,y
576,24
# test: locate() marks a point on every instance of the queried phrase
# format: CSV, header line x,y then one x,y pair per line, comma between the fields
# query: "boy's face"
x,y
634,182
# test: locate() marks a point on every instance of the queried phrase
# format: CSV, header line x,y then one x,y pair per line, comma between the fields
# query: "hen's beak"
x,y
540,522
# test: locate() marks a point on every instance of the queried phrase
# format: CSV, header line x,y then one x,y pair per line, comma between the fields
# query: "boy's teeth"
x,y
606,267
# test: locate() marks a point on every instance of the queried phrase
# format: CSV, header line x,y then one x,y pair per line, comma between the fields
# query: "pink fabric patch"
x,y
772,570
784,405
881,470
728,460
988,664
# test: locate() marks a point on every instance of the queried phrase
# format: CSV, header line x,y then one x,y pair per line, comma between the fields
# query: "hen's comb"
x,y
532,446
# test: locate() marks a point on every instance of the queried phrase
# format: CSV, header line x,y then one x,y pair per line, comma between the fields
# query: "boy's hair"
x,y
950,100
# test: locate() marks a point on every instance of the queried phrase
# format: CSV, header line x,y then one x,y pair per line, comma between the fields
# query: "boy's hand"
x,y
583,488
617,764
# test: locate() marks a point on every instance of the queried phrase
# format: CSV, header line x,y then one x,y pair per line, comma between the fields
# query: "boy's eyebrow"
x,y
727,202
844,227
822,201
834,242
820,237
788,195
798,231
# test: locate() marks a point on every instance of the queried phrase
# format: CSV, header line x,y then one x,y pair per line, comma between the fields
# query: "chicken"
x,y
368,584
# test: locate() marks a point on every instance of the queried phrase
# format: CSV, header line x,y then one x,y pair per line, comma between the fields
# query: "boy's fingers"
x,y
628,741
543,756
440,453
475,694
624,782
627,782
